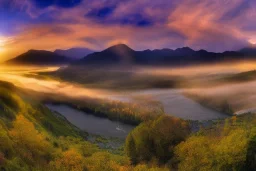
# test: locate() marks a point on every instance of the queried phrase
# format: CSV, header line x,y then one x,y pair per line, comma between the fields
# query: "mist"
x,y
240,96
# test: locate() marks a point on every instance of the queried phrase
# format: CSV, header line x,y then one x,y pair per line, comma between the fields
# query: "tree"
x,y
70,160
213,152
103,161
130,148
195,154
31,145
156,139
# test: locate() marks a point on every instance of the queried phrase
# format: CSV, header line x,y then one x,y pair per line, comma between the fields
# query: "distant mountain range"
x,y
74,53
122,55
39,57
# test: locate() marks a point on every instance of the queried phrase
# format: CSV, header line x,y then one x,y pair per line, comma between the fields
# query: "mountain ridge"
x,y
74,53
39,57
122,53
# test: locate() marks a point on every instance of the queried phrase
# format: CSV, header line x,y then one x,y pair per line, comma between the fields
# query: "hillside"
x,y
39,57
74,53
35,138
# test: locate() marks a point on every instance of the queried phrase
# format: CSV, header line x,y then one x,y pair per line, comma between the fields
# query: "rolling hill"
x,y
39,57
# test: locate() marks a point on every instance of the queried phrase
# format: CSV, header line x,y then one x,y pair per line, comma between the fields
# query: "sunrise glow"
x,y
2,44
252,41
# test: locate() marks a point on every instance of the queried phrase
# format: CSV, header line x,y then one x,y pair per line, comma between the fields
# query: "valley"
x,y
110,118
127,85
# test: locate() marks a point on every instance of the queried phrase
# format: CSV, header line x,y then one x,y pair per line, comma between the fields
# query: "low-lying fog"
x,y
241,96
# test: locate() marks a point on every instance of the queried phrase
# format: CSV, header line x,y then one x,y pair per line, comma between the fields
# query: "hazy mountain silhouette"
x,y
116,54
39,57
249,51
122,54
74,53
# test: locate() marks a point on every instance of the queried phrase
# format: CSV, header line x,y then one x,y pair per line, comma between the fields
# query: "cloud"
x,y
201,25
47,24
58,3
100,13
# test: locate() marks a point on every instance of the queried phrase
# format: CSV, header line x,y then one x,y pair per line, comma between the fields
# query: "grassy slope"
x,y
61,140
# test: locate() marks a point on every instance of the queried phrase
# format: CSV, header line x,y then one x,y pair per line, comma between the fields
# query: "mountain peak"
x,y
184,49
119,47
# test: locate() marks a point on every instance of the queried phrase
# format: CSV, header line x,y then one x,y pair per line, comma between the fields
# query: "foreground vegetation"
x,y
226,145
34,138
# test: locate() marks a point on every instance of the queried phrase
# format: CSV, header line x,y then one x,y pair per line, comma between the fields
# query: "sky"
x,y
213,25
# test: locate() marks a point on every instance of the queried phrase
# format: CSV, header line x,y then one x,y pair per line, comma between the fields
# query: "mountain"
x,y
250,51
39,57
122,54
74,53
114,55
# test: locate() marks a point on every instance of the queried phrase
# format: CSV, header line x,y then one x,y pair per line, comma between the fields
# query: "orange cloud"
x,y
211,25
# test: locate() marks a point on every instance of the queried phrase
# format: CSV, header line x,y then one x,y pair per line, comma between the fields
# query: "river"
x,y
173,101
91,123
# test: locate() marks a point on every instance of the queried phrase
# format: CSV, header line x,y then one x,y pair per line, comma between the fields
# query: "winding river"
x,y
173,101
91,123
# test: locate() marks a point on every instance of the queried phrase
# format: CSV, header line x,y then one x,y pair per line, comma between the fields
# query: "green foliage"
x,y
54,124
31,145
105,161
69,160
225,147
156,139
131,113
36,139
6,146
143,167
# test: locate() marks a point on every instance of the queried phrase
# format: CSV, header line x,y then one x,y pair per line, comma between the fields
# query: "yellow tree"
x,y
31,145
70,160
